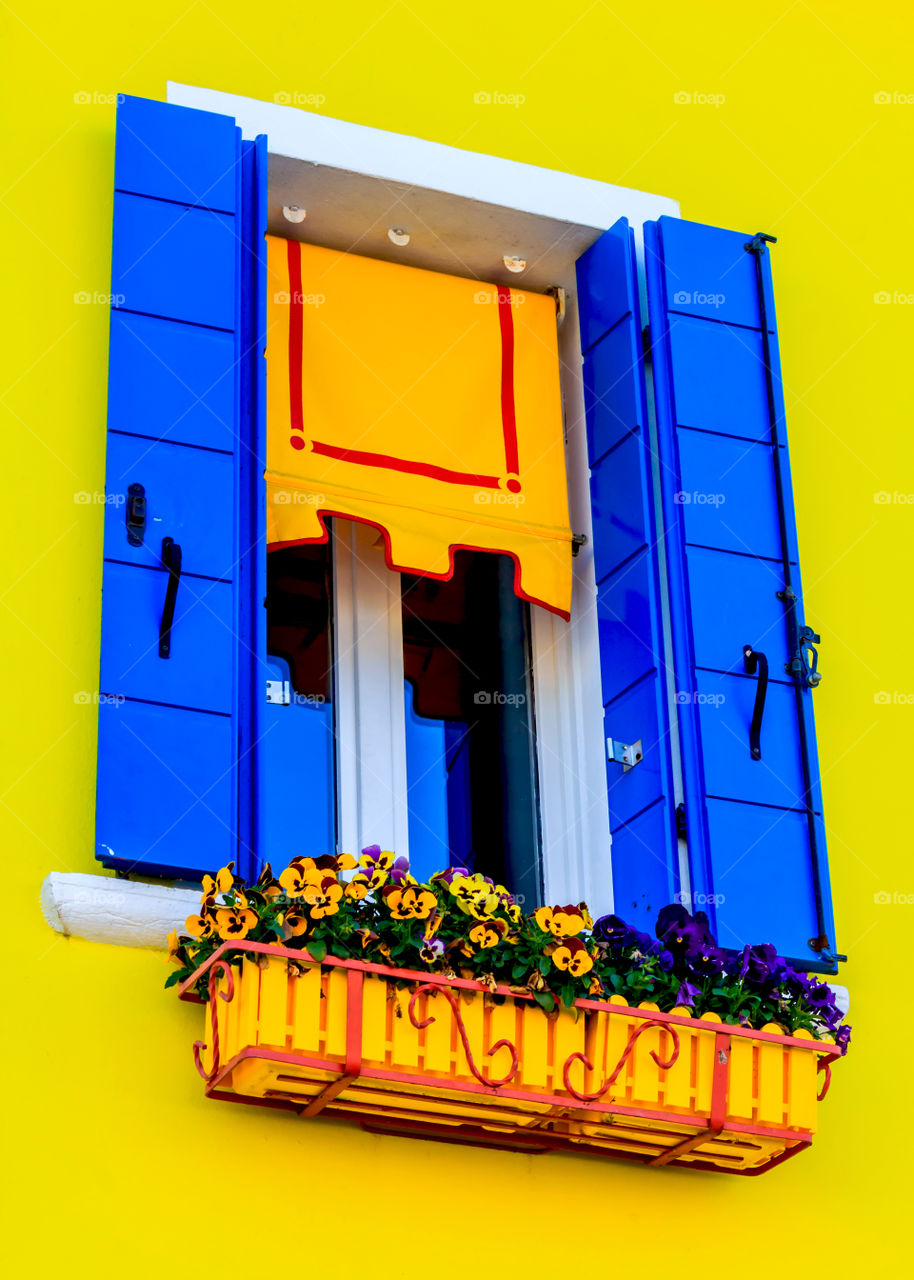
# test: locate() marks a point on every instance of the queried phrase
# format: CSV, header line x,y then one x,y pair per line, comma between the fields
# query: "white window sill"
x,y
121,912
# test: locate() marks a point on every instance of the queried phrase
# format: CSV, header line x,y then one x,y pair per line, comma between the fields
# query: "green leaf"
x,y
545,1000
318,948
175,977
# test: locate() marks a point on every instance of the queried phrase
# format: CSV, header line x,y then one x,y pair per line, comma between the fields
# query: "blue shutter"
x,y
755,834
629,601
171,798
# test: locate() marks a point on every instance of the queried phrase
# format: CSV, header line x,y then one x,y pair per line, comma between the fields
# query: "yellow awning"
x,y
422,403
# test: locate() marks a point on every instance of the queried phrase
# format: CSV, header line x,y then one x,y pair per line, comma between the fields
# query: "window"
x,y
470,742
679,481
297,792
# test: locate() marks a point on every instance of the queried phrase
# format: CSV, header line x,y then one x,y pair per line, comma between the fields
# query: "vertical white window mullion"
x,y
568,697
370,726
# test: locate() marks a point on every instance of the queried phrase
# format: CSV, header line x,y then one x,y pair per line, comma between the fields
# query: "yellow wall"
x,y
116,1164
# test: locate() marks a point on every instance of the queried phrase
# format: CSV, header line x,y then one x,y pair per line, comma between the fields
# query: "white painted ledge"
x,y
121,912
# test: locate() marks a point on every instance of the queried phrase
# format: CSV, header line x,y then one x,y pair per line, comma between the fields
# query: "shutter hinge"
x,y
823,947
624,753
758,242
578,540
135,515
680,822
558,294
279,692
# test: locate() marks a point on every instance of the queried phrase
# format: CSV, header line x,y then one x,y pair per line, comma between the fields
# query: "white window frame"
x,y
486,194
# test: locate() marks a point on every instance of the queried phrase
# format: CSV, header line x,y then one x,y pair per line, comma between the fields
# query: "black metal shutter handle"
x,y
171,559
755,661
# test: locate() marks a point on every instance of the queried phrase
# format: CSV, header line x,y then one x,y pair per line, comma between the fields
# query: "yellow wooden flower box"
x,y
421,1054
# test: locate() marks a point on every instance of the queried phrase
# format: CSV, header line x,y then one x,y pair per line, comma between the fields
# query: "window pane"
x,y
298,790
470,750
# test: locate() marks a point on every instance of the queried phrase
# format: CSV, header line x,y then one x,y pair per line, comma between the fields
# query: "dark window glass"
x,y
470,750
298,777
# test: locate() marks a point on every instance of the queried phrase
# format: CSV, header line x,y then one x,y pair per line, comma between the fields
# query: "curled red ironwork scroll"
x,y
199,1045
626,1054
462,1031
824,1066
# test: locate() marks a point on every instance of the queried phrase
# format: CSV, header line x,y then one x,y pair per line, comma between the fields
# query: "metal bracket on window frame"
x,y
279,692
624,753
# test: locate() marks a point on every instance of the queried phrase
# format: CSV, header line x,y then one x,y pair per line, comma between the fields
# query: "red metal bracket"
x,y
718,1105
353,1068
221,966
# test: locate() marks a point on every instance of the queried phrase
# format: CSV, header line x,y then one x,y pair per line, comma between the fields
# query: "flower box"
x,y
419,1054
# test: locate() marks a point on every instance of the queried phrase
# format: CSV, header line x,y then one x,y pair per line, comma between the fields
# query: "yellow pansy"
x,y
295,922
410,903
573,957
563,922
299,876
475,895
202,926
324,898
488,933
234,923
221,882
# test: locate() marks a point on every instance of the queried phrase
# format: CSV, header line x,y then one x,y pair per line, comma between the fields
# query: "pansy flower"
x,y
177,953
324,897
450,874
687,994
432,949
563,922
399,872
409,902
332,864
295,921
488,933
235,922
299,876
202,926
573,957
357,888
267,886
474,895
375,864
221,882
